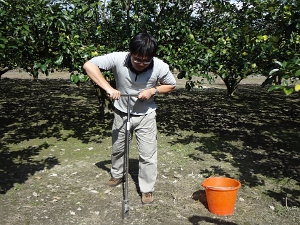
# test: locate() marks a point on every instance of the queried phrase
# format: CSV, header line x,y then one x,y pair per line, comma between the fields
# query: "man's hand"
x,y
114,94
146,94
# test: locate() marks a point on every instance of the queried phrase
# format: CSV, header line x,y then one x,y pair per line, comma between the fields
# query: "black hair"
x,y
143,45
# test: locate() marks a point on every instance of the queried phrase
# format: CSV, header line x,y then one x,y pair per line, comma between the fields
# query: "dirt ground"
x,y
55,155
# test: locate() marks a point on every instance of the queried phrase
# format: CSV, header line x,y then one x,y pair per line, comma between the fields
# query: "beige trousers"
x,y
145,130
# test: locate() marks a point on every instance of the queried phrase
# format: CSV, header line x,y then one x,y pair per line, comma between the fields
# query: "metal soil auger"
x,y
125,204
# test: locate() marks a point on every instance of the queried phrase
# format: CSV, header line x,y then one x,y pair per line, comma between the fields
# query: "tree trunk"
x,y
104,101
231,84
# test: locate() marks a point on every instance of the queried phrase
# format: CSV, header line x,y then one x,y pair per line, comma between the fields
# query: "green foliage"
x,y
43,35
285,76
243,39
286,44
198,38
77,78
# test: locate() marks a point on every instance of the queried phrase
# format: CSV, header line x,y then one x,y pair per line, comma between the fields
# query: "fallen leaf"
x,y
107,191
176,175
55,199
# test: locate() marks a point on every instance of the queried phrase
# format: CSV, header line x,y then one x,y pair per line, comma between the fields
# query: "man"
x,y
140,73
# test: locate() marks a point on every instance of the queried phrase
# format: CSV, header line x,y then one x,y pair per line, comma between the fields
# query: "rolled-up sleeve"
x,y
105,62
168,79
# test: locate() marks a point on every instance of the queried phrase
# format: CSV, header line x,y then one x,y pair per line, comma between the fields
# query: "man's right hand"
x,y
114,94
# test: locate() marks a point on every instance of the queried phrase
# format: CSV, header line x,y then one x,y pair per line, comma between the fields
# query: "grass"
x,y
55,156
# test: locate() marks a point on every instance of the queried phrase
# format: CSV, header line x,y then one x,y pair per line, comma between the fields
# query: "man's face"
x,y
140,63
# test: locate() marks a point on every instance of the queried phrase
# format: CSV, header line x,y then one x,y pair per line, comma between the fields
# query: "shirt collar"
x,y
129,65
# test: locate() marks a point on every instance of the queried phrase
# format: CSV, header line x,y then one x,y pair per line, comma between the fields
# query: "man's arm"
x,y
162,89
95,74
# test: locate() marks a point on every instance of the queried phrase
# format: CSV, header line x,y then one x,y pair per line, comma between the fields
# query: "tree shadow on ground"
x,y
259,129
43,108
39,110
198,220
12,172
133,170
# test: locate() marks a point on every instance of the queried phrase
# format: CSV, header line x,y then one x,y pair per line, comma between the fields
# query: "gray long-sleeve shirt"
x,y
128,82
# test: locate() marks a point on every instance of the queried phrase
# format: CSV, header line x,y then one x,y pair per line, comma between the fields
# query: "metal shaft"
x,y
125,205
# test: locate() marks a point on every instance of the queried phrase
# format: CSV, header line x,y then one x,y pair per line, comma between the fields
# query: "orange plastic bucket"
x,y
221,193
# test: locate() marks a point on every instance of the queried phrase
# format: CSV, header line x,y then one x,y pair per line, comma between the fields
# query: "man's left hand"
x,y
146,94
